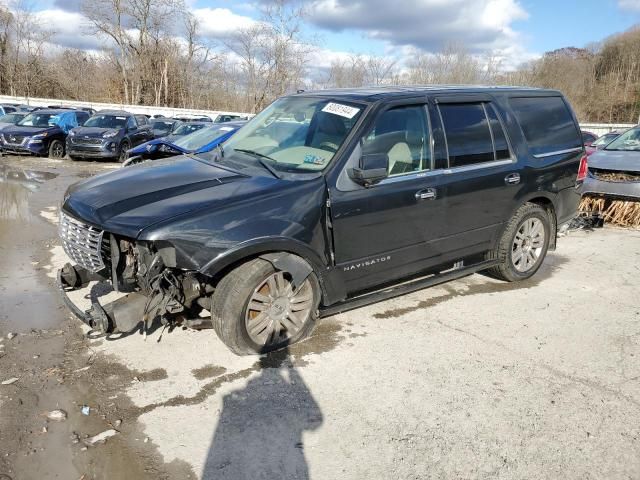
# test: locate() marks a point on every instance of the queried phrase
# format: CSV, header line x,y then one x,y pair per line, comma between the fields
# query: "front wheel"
x,y
124,146
256,309
56,149
523,245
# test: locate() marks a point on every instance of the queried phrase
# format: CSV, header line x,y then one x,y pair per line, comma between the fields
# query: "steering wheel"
x,y
328,146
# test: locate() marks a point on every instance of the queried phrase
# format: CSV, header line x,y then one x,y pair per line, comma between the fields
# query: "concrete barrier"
x,y
602,128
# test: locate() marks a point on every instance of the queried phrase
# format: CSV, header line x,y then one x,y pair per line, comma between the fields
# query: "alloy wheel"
x,y
123,151
528,244
276,312
57,150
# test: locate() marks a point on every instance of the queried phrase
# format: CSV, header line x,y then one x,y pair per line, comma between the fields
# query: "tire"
x,y
56,149
240,327
518,239
124,146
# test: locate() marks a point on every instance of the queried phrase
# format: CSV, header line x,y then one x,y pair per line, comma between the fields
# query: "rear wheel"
x,y
56,149
124,146
256,309
523,245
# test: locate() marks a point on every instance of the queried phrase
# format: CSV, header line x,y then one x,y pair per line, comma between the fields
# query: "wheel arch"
x,y
546,200
297,257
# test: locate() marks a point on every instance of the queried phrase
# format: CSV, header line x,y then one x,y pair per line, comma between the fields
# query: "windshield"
x,y
629,140
187,128
39,120
604,139
106,121
11,118
163,126
199,139
297,133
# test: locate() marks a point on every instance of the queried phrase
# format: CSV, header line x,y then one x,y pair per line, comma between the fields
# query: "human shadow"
x,y
260,428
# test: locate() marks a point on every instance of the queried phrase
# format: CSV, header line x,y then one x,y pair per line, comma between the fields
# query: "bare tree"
x,y
273,53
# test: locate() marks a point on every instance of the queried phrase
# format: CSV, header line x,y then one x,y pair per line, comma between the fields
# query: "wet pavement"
x,y
472,379
26,301
48,346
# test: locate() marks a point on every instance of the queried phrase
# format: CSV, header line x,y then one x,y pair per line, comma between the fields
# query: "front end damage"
x,y
612,195
144,276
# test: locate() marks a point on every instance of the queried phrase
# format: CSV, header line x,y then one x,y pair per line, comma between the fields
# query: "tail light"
x,y
583,169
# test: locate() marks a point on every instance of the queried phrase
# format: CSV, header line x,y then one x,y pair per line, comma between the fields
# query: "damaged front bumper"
x,y
595,185
121,315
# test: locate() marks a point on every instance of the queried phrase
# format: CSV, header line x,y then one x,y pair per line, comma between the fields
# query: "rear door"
x,y
480,175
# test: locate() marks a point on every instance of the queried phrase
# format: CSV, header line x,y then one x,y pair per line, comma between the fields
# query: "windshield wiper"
x,y
261,158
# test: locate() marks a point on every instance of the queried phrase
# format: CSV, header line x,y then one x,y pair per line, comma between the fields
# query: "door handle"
x,y
426,194
512,179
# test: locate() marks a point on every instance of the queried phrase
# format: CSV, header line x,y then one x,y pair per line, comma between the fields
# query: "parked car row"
x,y
83,134
198,141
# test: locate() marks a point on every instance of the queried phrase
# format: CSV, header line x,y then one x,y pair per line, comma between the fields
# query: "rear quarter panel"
x,y
552,178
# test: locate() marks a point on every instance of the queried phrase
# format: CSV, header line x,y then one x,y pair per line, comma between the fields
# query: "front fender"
x,y
260,246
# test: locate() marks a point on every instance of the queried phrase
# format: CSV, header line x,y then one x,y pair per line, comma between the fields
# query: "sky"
x,y
515,30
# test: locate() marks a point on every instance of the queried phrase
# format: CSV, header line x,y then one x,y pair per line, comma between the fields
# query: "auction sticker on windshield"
x,y
342,110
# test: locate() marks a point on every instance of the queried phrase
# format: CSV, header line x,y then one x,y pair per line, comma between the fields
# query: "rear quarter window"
x,y
547,124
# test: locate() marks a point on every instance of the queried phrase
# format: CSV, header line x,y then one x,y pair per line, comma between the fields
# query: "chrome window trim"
x,y
558,152
445,171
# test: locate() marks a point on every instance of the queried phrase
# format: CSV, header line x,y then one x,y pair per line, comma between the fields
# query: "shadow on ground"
x,y
260,428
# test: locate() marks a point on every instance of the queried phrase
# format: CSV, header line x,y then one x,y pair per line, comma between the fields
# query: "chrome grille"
x,y
82,242
78,140
14,139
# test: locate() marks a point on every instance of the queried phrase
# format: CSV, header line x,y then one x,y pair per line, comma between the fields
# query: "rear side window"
x,y
547,124
141,119
468,134
82,117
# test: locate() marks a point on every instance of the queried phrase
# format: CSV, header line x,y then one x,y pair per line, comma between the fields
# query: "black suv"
x,y
326,201
108,134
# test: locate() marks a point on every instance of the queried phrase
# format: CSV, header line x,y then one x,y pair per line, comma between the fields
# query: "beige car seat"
x,y
399,134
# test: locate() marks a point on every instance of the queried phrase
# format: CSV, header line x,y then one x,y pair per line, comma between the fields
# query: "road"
x,y
472,379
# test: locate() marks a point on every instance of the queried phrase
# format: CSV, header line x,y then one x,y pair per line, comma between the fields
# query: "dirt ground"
x,y
472,379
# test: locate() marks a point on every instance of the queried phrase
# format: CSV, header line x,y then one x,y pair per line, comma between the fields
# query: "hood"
x,y
129,200
28,131
92,132
615,160
153,145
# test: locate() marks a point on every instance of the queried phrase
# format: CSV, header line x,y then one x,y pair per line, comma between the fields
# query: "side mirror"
x,y
373,168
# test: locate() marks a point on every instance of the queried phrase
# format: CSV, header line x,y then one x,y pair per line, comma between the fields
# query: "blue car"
x,y
201,141
42,132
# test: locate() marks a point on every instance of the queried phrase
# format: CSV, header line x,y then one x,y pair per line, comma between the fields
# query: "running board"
x,y
404,288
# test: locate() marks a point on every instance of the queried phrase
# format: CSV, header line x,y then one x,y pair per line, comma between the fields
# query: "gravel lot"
x,y
473,379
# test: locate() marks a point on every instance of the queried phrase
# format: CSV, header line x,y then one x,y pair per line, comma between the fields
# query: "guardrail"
x,y
141,109
602,128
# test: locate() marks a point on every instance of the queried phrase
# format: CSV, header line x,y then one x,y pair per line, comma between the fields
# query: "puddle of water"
x,y
16,186
26,302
